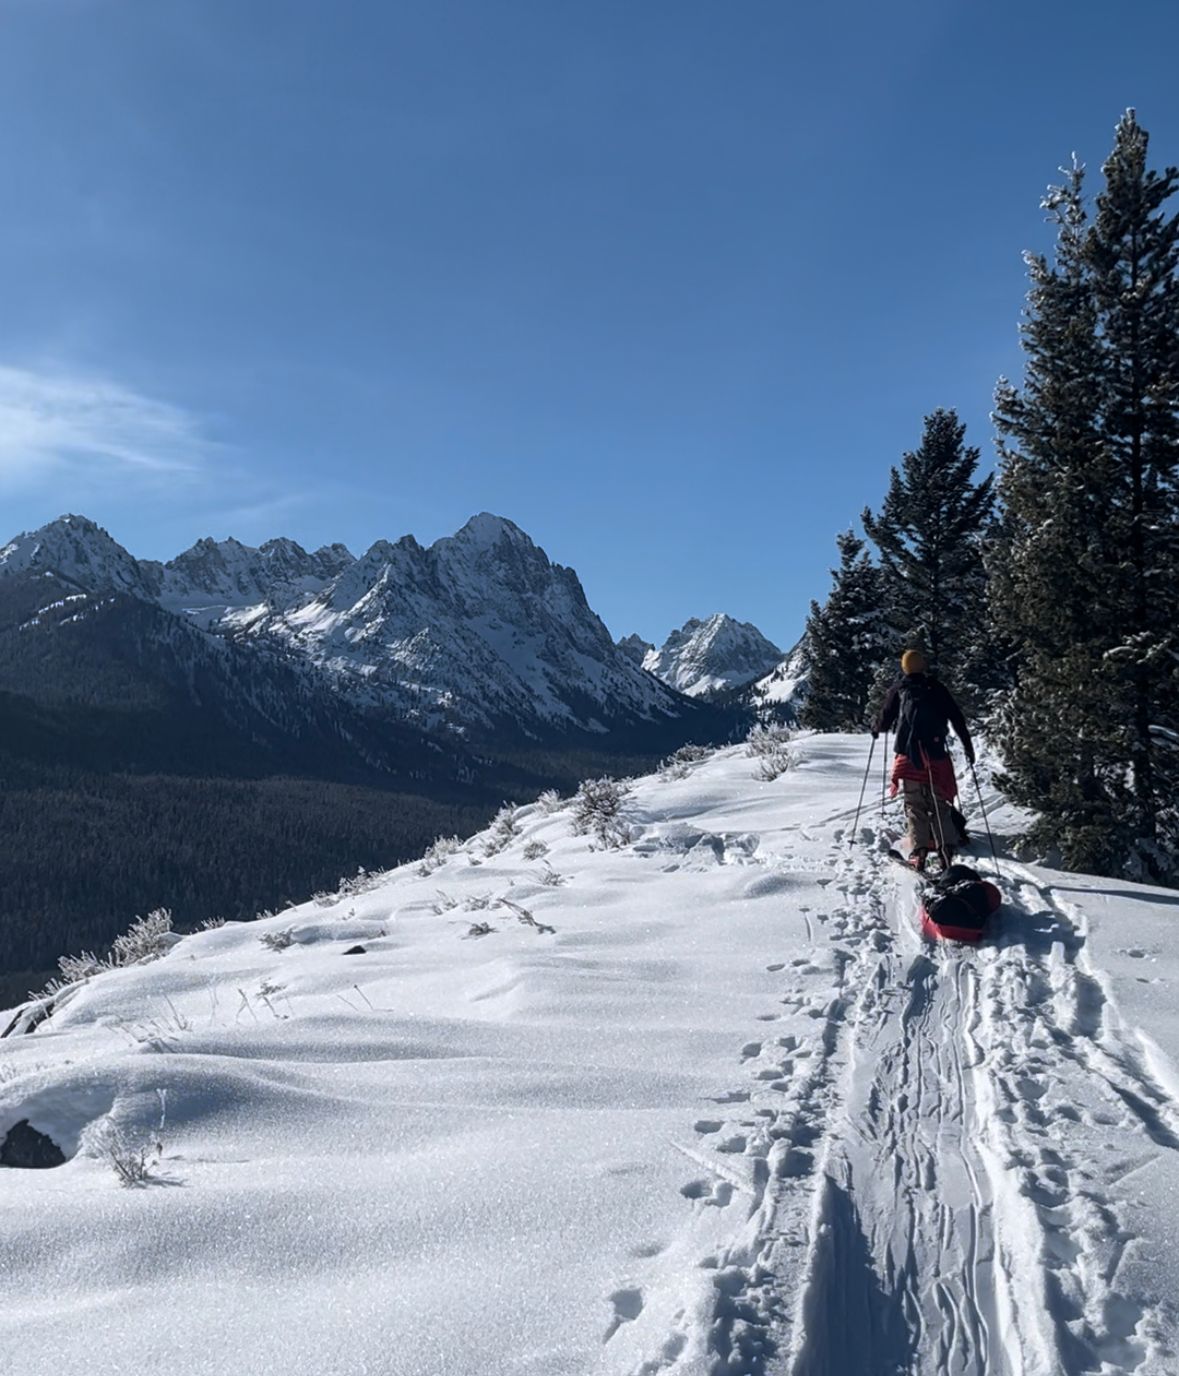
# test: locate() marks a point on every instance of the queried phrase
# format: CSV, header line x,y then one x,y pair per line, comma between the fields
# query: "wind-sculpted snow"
x,y
702,1104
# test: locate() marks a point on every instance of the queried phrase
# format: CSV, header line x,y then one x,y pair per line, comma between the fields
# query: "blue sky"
x,y
669,283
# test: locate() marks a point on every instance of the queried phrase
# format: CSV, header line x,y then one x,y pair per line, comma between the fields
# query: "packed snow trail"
x,y
733,1117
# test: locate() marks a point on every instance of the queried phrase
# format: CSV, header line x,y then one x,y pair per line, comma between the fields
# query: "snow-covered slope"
x,y
785,686
75,549
480,629
214,577
730,1116
704,658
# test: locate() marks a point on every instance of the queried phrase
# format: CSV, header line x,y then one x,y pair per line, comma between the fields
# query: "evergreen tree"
x,y
844,643
1047,595
1088,583
930,534
1133,251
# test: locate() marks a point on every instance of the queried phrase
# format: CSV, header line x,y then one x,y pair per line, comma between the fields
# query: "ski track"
x,y
911,1204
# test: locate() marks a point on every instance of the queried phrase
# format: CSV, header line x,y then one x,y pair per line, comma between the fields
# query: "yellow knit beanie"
x,y
912,662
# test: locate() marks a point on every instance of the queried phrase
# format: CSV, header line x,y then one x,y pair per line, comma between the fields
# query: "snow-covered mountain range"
x,y
478,630
705,659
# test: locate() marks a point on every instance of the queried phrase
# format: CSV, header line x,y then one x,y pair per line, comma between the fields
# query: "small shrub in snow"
x,y
278,941
444,904
550,801
440,850
767,740
480,929
524,916
679,765
476,902
535,849
772,764
74,968
211,924
360,882
503,830
598,809
134,1159
145,939
550,877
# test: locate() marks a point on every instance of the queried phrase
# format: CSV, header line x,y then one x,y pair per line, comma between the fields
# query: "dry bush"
x,y
599,810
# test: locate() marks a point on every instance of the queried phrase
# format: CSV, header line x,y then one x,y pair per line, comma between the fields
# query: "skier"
x,y
921,709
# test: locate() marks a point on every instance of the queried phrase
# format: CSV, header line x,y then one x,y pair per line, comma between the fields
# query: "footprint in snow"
x,y
628,1305
704,1125
716,1193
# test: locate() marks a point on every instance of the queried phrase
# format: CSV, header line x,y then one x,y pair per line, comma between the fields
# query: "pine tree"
x,y
1047,596
930,534
1133,251
1086,586
844,643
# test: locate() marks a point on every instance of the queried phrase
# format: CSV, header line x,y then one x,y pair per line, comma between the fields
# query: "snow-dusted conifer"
x,y
1088,584
930,532
844,643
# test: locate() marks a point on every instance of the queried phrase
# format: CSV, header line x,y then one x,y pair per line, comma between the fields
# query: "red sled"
x,y
960,913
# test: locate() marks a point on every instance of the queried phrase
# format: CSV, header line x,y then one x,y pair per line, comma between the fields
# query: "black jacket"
x,y
938,712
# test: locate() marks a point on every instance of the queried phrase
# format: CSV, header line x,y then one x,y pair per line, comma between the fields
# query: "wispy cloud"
x,y
52,421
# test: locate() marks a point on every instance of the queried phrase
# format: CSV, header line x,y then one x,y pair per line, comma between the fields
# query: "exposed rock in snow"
x,y
704,658
24,1148
79,552
635,648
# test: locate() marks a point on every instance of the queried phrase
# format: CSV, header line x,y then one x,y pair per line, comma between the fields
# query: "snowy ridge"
x,y
785,684
704,658
479,629
786,1134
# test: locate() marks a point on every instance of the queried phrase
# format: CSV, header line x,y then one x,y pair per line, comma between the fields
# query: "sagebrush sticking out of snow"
x,y
278,941
771,766
598,809
74,968
134,1159
767,740
679,765
440,850
535,849
146,939
503,830
550,801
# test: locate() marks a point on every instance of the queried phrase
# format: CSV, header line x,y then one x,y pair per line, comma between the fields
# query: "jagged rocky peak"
x,y
478,629
78,551
709,657
635,648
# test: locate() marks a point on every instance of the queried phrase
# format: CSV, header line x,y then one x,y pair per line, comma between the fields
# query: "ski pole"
x,y
851,840
884,776
986,819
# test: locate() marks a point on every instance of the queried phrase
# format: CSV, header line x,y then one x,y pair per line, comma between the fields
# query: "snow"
x,y
478,628
704,658
733,1116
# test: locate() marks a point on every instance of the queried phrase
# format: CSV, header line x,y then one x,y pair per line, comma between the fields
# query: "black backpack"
x,y
921,720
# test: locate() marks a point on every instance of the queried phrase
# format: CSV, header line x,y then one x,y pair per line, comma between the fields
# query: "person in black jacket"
x,y
921,710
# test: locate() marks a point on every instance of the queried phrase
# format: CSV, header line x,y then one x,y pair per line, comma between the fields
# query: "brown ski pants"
x,y
931,821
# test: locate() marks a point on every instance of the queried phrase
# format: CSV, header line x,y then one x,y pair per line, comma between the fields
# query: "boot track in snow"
x,y
913,1212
